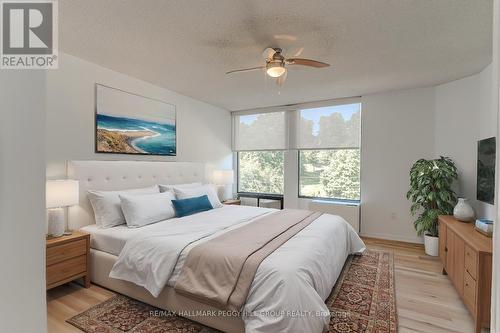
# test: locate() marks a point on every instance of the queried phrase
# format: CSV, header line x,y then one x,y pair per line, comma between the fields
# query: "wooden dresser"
x,y
67,259
466,256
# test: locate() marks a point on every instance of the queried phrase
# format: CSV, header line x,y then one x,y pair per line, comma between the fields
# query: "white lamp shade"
x,y
223,177
61,193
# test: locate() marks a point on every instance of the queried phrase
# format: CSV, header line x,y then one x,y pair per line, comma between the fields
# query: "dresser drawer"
x,y
66,251
469,292
66,269
471,262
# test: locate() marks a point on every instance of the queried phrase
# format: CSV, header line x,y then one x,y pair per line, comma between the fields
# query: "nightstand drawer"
x,y
66,251
66,269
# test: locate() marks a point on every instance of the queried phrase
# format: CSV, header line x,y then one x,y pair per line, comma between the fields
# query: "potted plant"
x,y
431,195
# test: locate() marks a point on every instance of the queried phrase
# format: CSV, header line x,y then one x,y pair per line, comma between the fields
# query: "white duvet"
x,y
290,286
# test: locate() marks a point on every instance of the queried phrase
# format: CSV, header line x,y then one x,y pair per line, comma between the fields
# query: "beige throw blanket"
x,y
220,271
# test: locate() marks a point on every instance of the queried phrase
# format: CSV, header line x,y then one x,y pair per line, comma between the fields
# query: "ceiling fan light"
x,y
275,69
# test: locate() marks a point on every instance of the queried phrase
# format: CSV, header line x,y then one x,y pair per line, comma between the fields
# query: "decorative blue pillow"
x,y
189,206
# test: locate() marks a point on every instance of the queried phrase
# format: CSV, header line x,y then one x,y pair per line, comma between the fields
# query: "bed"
x,y
290,285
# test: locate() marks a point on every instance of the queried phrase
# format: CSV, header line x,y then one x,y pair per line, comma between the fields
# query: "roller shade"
x,y
330,127
261,131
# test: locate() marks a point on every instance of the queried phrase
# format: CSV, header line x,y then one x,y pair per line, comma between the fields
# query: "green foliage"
x,y
330,173
431,192
323,173
261,171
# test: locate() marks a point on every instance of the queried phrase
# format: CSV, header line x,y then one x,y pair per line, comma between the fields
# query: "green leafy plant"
x,y
431,192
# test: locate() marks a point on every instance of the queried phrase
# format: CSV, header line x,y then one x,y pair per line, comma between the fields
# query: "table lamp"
x,y
223,178
58,195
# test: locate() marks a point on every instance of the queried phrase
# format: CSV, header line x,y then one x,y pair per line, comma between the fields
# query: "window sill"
x,y
335,201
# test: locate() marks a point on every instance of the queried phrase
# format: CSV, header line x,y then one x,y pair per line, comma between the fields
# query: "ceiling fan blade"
x,y
245,70
299,52
285,37
306,62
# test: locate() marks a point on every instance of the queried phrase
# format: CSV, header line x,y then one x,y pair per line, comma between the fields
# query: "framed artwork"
x,y
127,123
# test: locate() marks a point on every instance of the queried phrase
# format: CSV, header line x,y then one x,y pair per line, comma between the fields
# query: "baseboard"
x,y
414,240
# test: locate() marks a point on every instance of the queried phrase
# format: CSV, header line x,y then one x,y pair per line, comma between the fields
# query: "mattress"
x,y
112,240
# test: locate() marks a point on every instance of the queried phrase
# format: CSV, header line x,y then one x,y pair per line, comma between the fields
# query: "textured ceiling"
x,y
373,45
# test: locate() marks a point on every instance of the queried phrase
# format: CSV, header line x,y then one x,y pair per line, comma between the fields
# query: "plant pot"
x,y
431,245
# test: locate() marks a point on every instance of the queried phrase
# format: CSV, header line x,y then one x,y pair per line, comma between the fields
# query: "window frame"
x,y
341,200
238,172
290,110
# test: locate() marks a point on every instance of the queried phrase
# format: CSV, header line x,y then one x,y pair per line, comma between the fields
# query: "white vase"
x,y
463,211
431,245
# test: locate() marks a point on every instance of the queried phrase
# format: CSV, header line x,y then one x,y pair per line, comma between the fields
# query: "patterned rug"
x,y
364,297
362,301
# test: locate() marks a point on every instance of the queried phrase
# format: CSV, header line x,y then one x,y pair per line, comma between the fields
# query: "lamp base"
x,y
222,193
56,222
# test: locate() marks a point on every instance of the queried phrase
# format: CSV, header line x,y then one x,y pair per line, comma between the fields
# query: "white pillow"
x,y
165,188
209,190
141,210
107,209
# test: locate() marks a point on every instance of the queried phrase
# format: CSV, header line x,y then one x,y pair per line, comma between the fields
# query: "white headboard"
x,y
119,175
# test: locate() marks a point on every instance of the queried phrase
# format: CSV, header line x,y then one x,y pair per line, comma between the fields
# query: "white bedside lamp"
x,y
59,194
223,178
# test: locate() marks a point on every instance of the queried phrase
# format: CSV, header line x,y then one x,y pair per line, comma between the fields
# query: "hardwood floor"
x,y
426,299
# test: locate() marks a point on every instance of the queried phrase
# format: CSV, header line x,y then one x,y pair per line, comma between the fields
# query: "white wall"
x,y
400,127
203,130
465,113
397,129
22,201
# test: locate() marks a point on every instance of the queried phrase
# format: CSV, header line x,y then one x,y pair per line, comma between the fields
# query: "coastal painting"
x,y
127,123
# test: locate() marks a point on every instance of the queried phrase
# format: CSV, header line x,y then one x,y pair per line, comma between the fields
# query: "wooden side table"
x,y
67,259
232,202
466,256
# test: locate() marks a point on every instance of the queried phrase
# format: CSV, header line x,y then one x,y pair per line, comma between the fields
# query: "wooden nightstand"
x,y
67,259
232,202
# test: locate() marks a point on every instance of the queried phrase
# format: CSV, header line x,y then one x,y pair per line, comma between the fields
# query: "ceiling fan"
x,y
276,64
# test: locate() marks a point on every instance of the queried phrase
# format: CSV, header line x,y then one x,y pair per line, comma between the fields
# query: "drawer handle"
x,y
466,284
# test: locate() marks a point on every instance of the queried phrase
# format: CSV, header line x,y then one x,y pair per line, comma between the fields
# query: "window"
x,y
260,141
260,171
332,173
328,139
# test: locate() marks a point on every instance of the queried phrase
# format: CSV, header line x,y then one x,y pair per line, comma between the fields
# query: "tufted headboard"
x,y
120,175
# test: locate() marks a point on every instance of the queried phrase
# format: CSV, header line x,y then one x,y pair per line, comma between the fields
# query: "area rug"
x,y
364,297
362,301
